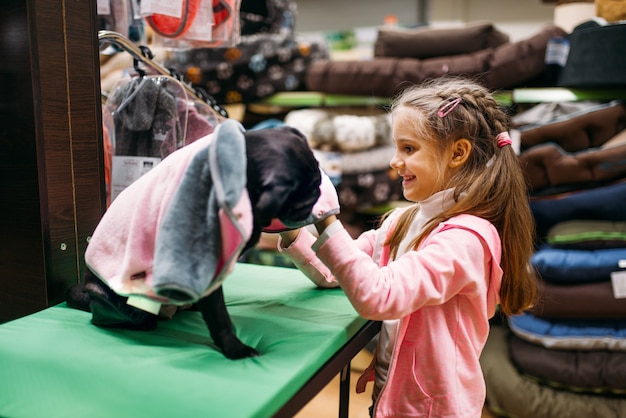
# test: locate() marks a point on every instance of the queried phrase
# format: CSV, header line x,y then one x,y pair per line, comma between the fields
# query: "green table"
x,y
54,363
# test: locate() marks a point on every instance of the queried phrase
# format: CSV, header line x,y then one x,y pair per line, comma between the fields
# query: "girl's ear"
x,y
460,152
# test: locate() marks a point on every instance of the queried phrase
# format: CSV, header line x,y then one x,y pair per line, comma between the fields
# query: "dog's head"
x,y
283,176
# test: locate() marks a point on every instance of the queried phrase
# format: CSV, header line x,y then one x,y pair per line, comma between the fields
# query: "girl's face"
x,y
416,159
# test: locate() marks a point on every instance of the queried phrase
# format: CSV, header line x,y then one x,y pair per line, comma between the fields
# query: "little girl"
x,y
435,271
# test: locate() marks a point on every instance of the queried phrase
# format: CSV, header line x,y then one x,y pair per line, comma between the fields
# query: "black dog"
x,y
283,181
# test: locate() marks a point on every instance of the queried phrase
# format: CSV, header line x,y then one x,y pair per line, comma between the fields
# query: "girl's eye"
x,y
408,149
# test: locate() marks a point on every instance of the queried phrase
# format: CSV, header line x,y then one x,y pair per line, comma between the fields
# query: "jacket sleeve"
x,y
306,260
451,261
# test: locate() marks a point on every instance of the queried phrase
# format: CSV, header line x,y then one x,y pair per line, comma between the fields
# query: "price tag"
x,y
126,169
557,51
202,27
618,280
172,8
103,7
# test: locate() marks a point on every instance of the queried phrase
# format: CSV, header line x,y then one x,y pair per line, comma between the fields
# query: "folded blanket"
x,y
427,42
565,266
597,371
579,234
574,334
543,113
594,300
606,203
589,128
549,165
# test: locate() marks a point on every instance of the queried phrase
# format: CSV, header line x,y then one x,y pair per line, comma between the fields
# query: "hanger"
x,y
144,55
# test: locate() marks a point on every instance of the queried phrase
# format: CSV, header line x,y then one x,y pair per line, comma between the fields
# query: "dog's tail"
x,y
77,297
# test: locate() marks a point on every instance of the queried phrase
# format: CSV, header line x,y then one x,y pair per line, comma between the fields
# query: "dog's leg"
x,y
78,298
111,310
217,318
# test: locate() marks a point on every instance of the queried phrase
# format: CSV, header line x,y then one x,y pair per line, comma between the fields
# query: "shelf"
x,y
562,94
318,99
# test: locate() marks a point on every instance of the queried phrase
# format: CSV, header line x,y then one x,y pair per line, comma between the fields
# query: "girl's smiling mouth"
x,y
407,179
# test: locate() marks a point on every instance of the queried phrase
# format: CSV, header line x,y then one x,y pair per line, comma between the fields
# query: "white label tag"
x,y
144,304
172,8
557,51
621,264
202,27
103,7
618,280
125,170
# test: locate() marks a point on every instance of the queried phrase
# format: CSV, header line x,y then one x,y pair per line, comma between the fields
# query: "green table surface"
x,y
55,363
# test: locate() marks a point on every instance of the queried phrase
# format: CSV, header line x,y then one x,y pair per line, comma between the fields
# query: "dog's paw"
x,y
77,297
234,349
242,352
109,310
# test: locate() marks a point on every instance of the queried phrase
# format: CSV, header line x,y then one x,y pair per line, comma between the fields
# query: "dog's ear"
x,y
283,174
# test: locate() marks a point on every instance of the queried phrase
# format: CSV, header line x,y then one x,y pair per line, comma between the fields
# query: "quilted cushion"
x,y
597,371
596,55
607,203
587,234
589,128
576,266
574,334
594,300
513,64
511,394
549,165
428,42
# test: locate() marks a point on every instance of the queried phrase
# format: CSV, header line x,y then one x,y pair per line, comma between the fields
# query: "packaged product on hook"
x,y
121,16
187,24
146,120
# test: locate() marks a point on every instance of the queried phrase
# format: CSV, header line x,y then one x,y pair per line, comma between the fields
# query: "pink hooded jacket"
x,y
444,294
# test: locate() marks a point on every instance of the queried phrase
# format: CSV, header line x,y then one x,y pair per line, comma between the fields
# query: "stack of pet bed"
x,y
404,56
354,147
568,353
269,58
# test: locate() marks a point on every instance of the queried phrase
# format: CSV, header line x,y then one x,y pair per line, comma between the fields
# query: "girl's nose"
x,y
395,162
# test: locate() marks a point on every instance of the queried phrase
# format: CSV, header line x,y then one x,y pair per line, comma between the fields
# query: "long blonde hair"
x,y
491,181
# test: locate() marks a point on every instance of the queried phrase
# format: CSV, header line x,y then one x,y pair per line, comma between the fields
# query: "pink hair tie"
x,y
503,139
448,107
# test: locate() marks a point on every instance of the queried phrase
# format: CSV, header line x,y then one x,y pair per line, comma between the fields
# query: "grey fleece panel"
x,y
188,243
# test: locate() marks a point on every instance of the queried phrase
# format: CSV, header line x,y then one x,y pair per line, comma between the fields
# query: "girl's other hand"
x,y
289,236
324,223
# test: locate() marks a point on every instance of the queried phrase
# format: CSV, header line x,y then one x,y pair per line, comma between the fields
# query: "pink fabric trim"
x,y
235,229
503,139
